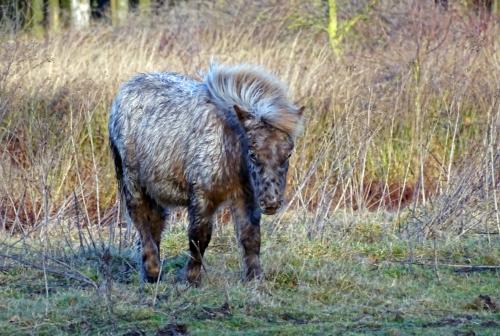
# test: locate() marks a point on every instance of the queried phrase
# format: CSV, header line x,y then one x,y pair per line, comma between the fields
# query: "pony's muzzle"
x,y
270,207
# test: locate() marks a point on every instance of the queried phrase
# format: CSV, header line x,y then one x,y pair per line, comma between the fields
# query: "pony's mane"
x,y
256,91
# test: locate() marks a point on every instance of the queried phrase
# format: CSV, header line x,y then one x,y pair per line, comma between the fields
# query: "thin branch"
x,y
78,277
457,268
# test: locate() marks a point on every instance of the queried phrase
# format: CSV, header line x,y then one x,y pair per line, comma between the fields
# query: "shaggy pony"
x,y
181,142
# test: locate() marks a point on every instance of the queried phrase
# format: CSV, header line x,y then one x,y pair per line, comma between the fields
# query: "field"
x,y
392,225
343,286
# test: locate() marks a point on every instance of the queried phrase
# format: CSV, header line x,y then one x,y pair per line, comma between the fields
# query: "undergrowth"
x,y
372,284
393,222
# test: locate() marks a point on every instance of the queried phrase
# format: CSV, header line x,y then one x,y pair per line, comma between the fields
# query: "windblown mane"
x,y
256,91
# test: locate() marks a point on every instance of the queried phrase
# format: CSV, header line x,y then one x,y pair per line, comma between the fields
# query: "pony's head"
x,y
269,119
269,150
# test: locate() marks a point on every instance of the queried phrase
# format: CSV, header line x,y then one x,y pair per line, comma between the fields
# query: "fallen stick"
x,y
462,268
60,273
458,268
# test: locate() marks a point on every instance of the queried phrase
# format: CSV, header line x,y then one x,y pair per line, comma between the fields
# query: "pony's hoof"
x,y
253,274
149,278
193,275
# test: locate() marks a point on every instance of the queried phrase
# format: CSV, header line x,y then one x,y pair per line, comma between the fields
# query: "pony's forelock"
x,y
255,90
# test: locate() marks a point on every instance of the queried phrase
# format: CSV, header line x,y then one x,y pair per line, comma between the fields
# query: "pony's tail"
x,y
120,179
118,164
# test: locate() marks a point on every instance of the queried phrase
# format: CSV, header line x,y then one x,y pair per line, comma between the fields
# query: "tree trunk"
x,y
496,7
119,11
37,17
65,13
482,6
80,13
145,6
442,3
54,15
333,26
19,15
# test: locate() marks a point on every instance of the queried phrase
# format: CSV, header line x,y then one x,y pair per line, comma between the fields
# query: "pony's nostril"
x,y
273,205
274,202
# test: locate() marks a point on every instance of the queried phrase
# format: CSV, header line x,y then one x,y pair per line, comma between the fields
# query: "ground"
x,y
370,283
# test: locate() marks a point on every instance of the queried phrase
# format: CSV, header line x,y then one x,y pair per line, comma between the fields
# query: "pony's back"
x,y
168,136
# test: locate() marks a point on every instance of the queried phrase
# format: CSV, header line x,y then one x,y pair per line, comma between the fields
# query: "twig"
x,y
476,268
458,268
77,215
158,283
485,233
77,277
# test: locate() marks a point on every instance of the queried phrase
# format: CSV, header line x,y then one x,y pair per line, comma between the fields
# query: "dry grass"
x,y
396,119
401,145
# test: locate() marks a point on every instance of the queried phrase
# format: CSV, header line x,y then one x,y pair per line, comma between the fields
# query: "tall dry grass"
x,y
404,121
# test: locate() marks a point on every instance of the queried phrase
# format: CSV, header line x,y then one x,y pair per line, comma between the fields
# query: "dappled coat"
x,y
182,142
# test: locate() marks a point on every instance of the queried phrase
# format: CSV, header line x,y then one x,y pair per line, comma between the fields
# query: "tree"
x,y
442,3
80,13
37,17
336,31
333,32
54,15
119,11
488,6
144,6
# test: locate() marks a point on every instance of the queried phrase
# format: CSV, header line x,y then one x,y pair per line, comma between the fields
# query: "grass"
x,y
316,287
393,187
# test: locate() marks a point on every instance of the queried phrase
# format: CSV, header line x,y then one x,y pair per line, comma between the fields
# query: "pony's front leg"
x,y
246,218
200,211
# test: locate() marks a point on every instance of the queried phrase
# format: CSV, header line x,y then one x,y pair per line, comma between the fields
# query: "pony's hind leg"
x,y
247,226
149,220
158,219
200,228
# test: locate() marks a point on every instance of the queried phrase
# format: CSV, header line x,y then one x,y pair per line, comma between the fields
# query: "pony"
x,y
177,141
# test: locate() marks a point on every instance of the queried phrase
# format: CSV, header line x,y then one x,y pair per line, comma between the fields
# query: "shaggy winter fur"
x,y
180,142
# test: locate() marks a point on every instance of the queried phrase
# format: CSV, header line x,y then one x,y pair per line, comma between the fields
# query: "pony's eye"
x,y
287,158
253,157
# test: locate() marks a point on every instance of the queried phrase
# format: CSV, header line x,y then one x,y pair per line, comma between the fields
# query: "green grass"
x,y
311,287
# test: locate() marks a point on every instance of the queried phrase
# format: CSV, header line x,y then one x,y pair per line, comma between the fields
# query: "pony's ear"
x,y
242,114
301,111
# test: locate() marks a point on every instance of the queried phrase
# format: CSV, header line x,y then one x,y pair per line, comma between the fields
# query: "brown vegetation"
x,y
396,119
